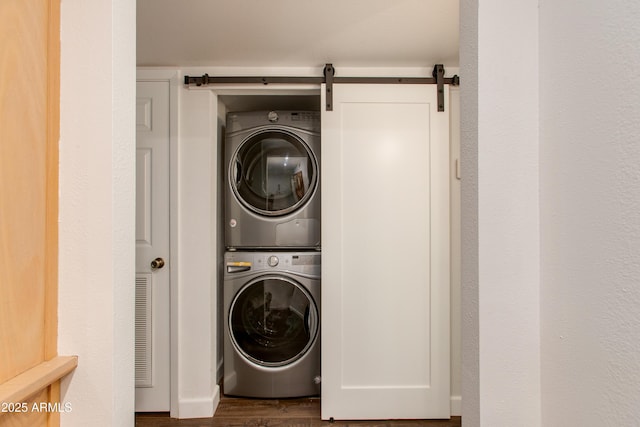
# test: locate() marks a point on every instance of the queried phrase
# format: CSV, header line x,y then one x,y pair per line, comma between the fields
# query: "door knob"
x,y
157,263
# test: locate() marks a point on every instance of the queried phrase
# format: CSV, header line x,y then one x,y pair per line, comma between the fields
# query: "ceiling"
x,y
297,33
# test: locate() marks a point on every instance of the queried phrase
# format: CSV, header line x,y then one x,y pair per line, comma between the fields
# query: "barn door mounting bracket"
x,y
329,71
438,74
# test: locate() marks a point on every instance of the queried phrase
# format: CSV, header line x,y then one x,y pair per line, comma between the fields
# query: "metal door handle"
x,y
157,263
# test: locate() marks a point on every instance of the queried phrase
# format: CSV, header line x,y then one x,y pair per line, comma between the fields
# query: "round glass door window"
x,y
273,321
273,173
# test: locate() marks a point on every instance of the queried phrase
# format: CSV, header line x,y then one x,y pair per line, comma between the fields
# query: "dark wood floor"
x,y
275,412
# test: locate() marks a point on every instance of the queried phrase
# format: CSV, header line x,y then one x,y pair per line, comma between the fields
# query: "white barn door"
x,y
385,253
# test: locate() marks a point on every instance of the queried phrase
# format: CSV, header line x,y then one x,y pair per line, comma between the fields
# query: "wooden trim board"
x,y
25,385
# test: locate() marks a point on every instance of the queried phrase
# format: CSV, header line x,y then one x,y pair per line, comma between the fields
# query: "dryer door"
x,y
273,172
273,321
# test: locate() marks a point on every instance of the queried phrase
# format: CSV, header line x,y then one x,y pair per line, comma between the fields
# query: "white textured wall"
x,y
590,204
97,207
499,63
470,344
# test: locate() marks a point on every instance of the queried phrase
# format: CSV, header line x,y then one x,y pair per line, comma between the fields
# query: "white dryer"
x,y
272,180
272,322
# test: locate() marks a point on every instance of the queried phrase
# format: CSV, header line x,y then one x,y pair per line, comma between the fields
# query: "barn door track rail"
x,y
330,79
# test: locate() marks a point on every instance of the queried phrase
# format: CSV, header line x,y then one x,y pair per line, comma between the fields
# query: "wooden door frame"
x,y
35,380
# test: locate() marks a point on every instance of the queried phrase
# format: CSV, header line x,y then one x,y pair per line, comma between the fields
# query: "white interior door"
x,y
152,248
385,253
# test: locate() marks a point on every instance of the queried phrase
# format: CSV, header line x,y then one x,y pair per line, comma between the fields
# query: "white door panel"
x,y
385,244
152,241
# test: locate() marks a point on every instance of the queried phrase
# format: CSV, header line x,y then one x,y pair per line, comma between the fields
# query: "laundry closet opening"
x,y
303,309
200,169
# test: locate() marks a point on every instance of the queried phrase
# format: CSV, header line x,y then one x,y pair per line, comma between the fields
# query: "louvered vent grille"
x,y
143,331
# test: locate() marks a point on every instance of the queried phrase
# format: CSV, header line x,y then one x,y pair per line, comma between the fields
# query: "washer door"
x,y
273,172
273,321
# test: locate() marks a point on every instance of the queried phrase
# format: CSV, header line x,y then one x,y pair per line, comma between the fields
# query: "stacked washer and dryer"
x,y
272,264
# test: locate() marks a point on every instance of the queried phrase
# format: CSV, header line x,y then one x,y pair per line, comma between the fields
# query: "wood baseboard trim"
x,y
23,386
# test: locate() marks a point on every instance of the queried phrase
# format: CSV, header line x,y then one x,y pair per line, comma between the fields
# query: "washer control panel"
x,y
307,263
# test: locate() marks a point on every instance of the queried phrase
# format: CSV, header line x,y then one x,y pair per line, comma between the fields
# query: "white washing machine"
x,y
272,321
272,173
